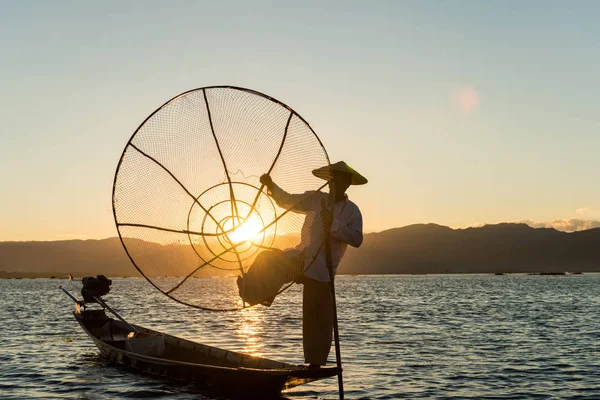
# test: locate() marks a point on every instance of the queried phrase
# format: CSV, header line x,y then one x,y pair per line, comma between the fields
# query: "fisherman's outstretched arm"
x,y
299,202
348,230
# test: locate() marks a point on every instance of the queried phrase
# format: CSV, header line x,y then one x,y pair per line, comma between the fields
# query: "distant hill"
x,y
60,258
507,247
422,248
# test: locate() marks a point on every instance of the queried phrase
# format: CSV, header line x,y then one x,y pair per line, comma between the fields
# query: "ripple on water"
x,y
452,337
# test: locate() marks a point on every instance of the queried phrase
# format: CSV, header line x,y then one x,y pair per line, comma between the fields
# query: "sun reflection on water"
x,y
250,330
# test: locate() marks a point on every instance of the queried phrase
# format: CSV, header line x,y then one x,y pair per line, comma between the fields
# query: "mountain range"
x,y
413,249
501,248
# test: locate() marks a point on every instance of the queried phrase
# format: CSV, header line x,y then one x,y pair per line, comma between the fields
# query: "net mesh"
x,y
187,200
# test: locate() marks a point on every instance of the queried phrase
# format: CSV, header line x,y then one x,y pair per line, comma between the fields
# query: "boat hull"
x,y
210,367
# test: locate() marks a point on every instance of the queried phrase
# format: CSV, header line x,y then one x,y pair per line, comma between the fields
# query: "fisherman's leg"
x,y
317,321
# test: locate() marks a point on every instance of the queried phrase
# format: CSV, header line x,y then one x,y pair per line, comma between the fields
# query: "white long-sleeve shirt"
x,y
346,229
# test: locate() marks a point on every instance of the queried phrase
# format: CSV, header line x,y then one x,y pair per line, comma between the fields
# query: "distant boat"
x,y
499,273
553,273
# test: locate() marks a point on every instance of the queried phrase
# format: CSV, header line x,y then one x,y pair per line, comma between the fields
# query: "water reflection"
x,y
250,330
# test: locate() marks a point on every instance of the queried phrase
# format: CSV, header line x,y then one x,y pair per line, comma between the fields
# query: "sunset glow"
x,y
458,115
247,230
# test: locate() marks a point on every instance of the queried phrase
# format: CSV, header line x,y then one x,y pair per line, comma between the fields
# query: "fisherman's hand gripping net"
x,y
187,200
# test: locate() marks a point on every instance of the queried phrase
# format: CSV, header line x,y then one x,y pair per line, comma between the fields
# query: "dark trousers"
x,y
317,321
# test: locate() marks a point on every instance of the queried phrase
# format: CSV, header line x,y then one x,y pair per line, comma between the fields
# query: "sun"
x,y
247,230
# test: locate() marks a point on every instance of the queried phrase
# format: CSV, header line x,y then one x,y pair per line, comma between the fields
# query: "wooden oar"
x,y
103,304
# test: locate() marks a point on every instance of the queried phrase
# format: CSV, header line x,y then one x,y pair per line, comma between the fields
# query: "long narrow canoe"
x,y
168,356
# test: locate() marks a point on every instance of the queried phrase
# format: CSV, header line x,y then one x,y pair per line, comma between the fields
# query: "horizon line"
x,y
594,225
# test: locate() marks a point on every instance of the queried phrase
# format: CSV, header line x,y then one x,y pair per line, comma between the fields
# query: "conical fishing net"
x,y
189,206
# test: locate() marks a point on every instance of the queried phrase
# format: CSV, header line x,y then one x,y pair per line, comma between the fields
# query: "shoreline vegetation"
x,y
421,249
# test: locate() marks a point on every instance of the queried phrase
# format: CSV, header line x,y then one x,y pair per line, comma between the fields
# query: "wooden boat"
x,y
168,356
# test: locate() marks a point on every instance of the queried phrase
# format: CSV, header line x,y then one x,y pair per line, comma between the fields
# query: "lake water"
x,y
461,337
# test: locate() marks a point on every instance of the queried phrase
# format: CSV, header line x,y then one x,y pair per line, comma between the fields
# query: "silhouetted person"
x,y
346,229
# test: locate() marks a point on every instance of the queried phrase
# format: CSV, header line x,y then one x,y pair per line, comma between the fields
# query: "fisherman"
x,y
345,229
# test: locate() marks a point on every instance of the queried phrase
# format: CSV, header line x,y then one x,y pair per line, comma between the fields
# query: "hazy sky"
x,y
458,112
